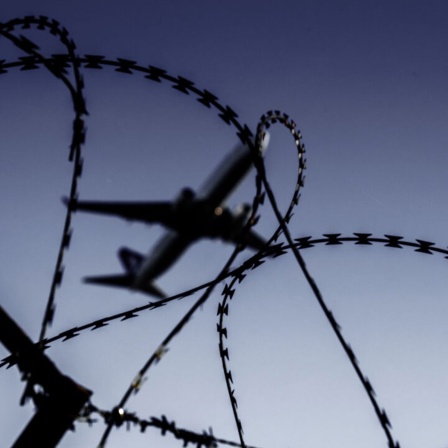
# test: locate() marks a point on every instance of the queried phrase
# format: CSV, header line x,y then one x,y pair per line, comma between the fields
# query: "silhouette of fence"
x,y
68,68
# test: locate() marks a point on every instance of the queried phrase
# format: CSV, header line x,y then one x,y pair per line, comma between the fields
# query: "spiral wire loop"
x,y
67,68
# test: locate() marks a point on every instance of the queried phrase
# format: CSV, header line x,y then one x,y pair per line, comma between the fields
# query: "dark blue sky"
x,y
366,84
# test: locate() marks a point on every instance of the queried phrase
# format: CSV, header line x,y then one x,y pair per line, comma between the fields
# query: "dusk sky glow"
x,y
366,83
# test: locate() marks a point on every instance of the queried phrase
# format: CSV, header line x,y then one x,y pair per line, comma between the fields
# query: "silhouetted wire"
x,y
274,117
121,417
381,414
56,65
207,99
238,274
270,117
78,137
163,347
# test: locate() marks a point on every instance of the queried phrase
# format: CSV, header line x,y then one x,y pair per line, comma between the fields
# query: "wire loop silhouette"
x,y
60,66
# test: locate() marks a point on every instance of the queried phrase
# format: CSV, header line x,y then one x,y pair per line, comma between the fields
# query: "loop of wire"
x,y
59,66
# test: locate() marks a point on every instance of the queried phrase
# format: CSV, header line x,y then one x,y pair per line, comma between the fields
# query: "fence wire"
x,y
68,68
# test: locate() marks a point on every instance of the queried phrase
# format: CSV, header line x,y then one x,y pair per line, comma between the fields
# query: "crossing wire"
x,y
58,66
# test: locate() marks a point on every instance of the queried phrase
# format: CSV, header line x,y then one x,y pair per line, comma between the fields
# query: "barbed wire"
x,y
78,134
239,273
183,85
266,121
283,227
119,417
163,347
58,65
78,138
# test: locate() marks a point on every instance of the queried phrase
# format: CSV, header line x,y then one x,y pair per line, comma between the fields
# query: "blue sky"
x,y
366,84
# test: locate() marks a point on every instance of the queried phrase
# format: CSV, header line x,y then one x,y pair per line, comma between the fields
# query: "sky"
x,y
366,84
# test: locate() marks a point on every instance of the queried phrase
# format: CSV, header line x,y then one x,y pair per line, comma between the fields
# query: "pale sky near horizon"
x,y
366,84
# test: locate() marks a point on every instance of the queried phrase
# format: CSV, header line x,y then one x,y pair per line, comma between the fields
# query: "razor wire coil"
x,y
59,65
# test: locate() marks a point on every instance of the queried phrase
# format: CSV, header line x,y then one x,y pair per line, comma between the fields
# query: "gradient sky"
x,y
366,83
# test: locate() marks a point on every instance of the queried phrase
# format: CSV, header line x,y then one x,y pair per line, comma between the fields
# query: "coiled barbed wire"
x,y
78,138
239,273
78,135
57,65
271,117
183,85
163,347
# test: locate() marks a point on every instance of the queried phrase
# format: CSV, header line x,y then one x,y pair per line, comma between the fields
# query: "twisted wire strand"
x,y
78,134
157,355
78,138
239,273
227,115
271,117
182,84
136,384
43,23
121,417
380,413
